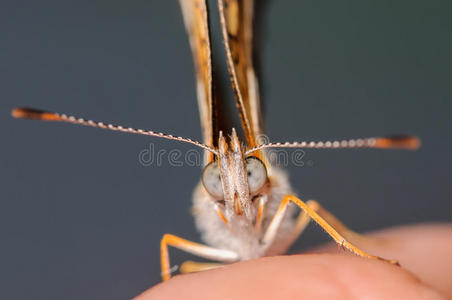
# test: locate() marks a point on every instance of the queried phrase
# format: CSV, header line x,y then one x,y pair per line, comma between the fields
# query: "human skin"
x,y
424,252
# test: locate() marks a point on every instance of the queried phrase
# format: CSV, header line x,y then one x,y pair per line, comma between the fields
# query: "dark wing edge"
x,y
237,18
196,20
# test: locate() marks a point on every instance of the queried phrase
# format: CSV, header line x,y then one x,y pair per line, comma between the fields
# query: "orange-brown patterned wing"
x,y
196,22
237,26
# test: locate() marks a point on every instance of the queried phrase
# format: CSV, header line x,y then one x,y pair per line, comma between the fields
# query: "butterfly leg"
x,y
340,227
303,220
193,248
311,211
193,266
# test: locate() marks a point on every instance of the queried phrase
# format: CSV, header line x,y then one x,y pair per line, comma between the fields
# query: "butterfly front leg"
x,y
193,248
303,219
194,266
326,220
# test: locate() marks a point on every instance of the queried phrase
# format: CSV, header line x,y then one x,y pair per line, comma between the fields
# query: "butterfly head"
x,y
234,179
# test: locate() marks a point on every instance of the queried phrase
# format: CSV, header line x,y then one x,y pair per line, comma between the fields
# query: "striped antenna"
x,y
35,114
390,142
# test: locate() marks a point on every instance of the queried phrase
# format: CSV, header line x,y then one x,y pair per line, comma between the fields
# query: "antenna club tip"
x,y
34,114
415,143
18,113
399,142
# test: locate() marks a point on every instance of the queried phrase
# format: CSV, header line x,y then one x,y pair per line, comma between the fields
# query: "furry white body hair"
x,y
239,236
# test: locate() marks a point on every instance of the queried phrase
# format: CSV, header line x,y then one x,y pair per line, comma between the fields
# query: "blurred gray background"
x,y
81,218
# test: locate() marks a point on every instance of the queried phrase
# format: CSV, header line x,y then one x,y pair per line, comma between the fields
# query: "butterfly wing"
x,y
237,26
195,16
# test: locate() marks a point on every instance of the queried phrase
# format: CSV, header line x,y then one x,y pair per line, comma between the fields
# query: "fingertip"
x,y
314,276
423,249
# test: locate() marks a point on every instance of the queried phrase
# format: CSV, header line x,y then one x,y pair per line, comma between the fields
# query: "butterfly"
x,y
244,206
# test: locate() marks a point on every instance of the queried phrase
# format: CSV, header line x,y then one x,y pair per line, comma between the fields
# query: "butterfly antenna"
x,y
390,142
35,114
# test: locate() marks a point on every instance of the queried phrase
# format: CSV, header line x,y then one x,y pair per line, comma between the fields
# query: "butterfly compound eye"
x,y
212,181
257,173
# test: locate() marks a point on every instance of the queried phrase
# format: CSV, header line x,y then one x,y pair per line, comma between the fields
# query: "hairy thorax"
x,y
239,236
